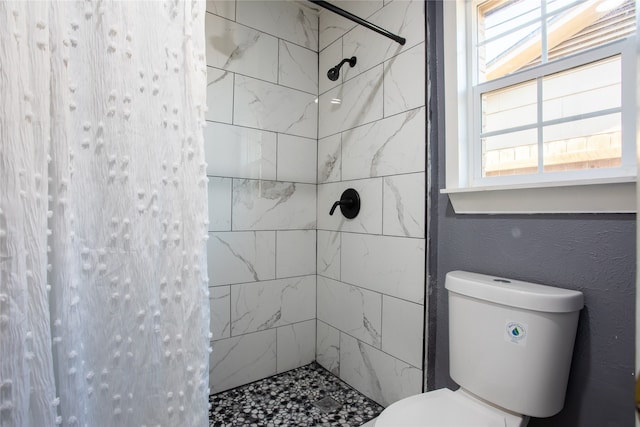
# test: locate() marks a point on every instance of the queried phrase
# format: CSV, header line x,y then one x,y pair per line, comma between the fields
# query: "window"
x,y
545,100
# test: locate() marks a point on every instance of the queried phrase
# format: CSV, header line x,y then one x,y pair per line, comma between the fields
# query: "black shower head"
x,y
334,72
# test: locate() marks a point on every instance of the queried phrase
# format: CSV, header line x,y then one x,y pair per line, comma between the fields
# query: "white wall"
x,y
261,143
371,270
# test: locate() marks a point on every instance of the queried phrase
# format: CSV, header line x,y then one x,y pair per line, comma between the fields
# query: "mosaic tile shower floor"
x,y
289,399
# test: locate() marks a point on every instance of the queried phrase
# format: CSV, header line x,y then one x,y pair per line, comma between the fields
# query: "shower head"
x,y
334,72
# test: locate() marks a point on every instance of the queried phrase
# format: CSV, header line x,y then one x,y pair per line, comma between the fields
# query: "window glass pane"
x,y
509,107
593,87
583,144
514,153
555,5
587,25
510,35
502,17
510,53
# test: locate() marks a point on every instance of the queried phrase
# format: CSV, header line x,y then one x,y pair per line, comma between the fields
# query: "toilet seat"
x,y
445,408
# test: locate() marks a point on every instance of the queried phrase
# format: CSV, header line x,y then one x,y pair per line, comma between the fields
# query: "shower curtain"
x,y
104,315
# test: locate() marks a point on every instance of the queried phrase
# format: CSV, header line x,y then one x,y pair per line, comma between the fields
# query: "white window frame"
x,y
608,190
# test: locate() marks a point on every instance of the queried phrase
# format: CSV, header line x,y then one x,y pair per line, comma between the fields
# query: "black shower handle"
x,y
344,202
349,204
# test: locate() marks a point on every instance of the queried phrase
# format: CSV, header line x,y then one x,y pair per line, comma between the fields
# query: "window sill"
x,y
597,196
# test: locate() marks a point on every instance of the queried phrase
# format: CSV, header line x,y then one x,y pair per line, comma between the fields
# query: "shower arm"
x,y
358,20
344,61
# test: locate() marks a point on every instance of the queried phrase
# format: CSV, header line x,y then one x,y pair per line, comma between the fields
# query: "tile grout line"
x,y
235,20
275,255
369,290
231,208
381,318
325,136
233,99
315,344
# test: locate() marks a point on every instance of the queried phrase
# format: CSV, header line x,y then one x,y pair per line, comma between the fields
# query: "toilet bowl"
x,y
444,408
510,348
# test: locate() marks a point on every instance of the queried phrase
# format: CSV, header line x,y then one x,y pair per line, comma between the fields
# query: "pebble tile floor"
x,y
288,399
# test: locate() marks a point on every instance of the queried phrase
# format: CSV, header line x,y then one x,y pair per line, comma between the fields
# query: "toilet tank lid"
x,y
514,293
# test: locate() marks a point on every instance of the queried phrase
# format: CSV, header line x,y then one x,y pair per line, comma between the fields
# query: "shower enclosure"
x,y
290,283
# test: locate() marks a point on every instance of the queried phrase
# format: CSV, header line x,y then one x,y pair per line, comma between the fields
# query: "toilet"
x,y
510,348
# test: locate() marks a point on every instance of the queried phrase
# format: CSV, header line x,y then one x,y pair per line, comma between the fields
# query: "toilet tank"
x,y
511,342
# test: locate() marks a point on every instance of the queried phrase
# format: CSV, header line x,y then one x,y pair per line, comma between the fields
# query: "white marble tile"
x,y
404,18
369,219
297,159
333,26
270,205
375,374
402,330
391,146
404,81
328,263
296,345
267,106
284,19
224,8
389,265
219,204
233,151
239,257
219,95
330,158
241,360
295,253
329,57
404,205
362,8
298,67
328,347
240,49
353,310
354,103
269,304
220,306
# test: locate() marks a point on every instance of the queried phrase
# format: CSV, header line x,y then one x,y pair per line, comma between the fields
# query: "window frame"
x,y
610,191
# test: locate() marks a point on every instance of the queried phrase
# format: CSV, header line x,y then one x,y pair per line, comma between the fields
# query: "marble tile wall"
x,y
371,270
288,282
261,146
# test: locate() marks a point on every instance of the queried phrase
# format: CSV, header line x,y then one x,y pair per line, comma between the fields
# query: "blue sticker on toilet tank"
x,y
516,332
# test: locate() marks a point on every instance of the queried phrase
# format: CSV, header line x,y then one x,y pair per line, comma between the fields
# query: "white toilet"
x,y
510,348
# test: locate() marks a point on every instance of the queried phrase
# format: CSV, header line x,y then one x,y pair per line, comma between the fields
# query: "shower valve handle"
x,y
345,202
349,204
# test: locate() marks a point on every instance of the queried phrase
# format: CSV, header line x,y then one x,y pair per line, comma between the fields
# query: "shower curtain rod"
x,y
359,20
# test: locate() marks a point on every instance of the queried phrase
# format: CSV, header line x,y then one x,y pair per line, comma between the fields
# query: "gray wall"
x,y
591,253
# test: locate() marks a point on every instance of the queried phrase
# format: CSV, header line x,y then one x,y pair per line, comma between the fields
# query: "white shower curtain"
x,y
104,315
